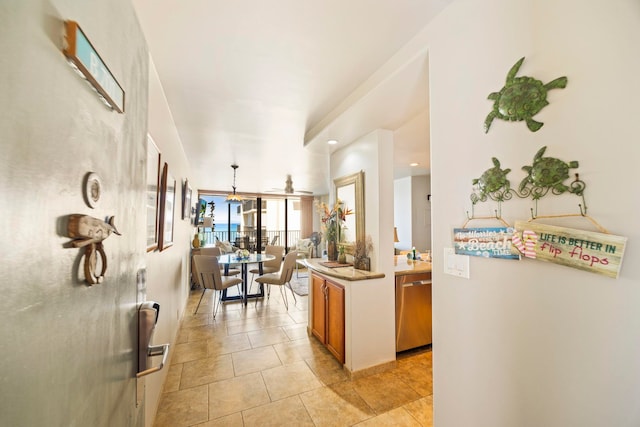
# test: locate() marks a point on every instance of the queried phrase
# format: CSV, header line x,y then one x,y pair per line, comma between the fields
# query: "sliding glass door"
x,y
251,224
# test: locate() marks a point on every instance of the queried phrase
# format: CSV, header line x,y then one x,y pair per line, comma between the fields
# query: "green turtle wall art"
x,y
548,173
521,98
492,180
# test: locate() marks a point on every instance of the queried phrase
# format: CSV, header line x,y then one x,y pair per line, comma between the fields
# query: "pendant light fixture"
x,y
234,198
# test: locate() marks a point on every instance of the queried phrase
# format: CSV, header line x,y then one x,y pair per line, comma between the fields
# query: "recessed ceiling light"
x,y
332,142
414,164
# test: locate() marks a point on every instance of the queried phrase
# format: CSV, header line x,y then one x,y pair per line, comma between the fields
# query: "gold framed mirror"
x,y
350,190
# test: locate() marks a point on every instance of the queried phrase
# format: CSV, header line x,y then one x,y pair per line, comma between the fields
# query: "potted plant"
x,y
363,248
342,257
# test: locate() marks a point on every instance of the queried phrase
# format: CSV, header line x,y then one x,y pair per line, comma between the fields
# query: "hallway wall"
x,y
68,351
528,343
168,270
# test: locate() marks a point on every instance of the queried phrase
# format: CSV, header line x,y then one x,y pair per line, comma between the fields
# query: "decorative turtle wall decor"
x,y
492,180
548,173
521,98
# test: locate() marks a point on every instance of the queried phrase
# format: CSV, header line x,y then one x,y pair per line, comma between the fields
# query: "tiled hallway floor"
x,y
256,366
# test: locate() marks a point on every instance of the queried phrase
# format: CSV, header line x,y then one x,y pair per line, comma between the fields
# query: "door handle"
x,y
147,318
417,283
155,350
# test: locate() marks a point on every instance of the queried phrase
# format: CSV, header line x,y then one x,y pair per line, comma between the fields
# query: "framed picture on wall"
x,y
186,200
201,208
167,203
195,214
153,194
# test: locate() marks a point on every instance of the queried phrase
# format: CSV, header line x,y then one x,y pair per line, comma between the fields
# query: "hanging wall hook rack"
x,y
497,215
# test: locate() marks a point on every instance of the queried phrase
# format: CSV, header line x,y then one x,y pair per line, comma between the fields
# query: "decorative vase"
x,y
342,259
196,241
363,263
332,250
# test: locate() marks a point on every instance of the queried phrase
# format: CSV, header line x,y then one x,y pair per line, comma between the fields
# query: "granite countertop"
x,y
345,273
403,265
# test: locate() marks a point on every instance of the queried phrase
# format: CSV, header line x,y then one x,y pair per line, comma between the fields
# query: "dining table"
x,y
228,260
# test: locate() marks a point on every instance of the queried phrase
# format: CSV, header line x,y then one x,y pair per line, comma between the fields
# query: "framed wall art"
x,y
186,200
167,203
153,194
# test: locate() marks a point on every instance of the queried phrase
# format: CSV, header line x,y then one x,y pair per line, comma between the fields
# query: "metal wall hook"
x,y
534,210
498,211
583,213
583,205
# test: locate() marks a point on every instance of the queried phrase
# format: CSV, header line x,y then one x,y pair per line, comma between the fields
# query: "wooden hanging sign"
x,y
585,250
486,242
82,55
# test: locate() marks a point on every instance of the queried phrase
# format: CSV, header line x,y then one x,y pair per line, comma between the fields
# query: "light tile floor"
x,y
256,366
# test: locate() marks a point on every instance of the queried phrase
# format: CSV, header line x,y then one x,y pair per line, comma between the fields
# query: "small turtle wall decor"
x,y
521,98
547,173
492,180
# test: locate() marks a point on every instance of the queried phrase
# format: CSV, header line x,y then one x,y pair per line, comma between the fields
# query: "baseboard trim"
x,y
372,370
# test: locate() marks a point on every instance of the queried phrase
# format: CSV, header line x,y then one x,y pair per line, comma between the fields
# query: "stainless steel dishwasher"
x,y
413,311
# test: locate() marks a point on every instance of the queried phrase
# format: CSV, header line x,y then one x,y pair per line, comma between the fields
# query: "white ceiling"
x,y
264,83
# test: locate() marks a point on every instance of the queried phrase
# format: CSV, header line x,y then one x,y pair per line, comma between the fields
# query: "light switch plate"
x,y
456,265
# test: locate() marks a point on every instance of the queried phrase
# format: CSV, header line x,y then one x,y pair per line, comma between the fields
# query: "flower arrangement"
x,y
332,224
242,254
333,219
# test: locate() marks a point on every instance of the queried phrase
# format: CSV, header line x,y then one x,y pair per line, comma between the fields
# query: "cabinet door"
x,y
335,318
318,325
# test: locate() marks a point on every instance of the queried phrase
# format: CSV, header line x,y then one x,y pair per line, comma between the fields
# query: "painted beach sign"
x,y
488,242
585,250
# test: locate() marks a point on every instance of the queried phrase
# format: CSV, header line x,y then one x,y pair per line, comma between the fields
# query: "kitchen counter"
x,y
403,266
344,273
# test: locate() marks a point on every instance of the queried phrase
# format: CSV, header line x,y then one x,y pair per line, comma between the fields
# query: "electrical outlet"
x,y
456,265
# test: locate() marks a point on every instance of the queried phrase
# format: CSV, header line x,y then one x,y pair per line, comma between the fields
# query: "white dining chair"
x,y
271,266
209,277
281,278
215,251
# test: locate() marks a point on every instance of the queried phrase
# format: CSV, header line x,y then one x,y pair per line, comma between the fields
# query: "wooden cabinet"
x,y
328,314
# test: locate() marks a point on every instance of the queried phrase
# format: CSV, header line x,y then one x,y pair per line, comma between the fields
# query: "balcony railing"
x,y
247,239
